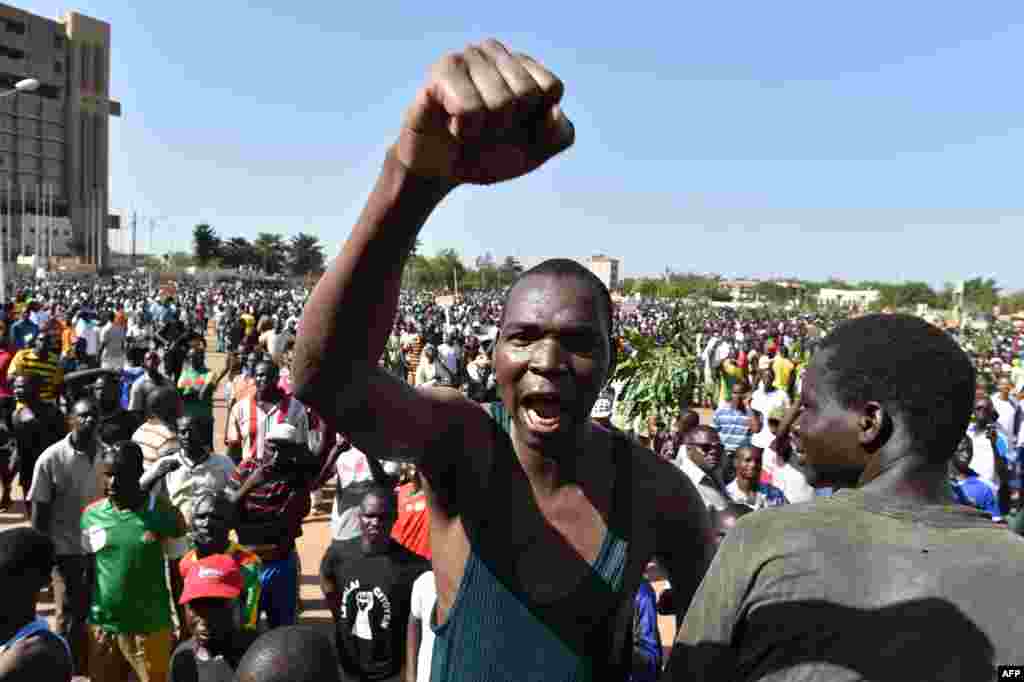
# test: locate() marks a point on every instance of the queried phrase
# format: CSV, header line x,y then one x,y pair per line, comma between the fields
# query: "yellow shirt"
x,y
49,372
783,368
731,373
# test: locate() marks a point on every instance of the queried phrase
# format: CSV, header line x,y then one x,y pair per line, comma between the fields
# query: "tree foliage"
x,y
237,252
205,244
271,252
305,255
660,377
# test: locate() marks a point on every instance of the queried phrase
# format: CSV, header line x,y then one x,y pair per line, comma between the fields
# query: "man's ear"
x,y
874,425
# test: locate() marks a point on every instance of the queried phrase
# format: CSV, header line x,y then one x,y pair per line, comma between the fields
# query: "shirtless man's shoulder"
x,y
38,657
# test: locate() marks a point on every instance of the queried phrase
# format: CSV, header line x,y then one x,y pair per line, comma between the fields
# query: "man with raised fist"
x,y
540,521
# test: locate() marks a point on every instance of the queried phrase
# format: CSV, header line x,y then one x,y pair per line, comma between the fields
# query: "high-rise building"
x,y
54,141
606,269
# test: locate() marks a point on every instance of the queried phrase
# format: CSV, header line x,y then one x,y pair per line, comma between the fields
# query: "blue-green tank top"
x,y
495,634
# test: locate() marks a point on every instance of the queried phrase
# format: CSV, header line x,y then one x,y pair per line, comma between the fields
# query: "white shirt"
x,y
792,483
84,330
424,595
984,460
183,483
764,402
277,342
1007,410
709,492
449,356
248,424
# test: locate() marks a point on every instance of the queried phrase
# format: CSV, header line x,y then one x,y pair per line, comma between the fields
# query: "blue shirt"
x,y
22,331
646,637
765,495
979,495
733,427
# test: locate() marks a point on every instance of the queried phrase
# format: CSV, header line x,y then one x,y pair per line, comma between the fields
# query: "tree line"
x,y
446,271
980,293
300,255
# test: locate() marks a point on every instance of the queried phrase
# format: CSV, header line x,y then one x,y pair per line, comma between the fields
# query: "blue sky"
x,y
870,140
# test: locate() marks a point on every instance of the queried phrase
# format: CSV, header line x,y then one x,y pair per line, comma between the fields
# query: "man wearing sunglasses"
x,y
700,458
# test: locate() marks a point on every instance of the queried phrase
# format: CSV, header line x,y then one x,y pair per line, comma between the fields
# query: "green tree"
x,y
179,260
447,264
271,252
509,270
205,244
770,292
981,294
1013,303
238,251
305,254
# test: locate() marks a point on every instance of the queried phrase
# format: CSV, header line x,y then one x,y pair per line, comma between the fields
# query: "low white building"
x,y
848,297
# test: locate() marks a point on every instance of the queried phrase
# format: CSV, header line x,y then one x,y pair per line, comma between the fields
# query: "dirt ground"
x,y
311,546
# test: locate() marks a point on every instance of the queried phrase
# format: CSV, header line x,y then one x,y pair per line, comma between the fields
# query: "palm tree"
x,y
206,243
271,251
306,254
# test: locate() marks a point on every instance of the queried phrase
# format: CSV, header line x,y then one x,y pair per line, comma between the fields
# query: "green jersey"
x,y
129,590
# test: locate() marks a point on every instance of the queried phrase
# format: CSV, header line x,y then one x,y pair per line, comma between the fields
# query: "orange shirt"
x,y
67,339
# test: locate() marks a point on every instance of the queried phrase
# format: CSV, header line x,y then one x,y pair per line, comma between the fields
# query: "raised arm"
x,y
484,116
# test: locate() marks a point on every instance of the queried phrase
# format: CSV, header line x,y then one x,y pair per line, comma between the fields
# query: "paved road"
x,y
311,546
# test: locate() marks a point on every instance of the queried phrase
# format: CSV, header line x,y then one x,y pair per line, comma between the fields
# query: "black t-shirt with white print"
x,y
376,591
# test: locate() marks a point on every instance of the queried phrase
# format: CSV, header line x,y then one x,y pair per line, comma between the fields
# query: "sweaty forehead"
x,y
553,301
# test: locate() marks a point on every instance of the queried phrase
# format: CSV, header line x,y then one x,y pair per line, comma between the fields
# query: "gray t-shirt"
x,y
67,480
858,587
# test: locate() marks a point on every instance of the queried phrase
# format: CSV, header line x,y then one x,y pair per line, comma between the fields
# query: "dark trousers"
x,y
71,588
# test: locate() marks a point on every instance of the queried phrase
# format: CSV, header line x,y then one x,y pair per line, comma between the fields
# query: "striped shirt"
x,y
733,427
50,374
249,423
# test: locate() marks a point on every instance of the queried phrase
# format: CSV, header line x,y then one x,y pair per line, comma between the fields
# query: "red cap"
x,y
215,576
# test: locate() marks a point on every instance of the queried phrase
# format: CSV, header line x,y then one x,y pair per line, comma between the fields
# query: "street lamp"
x,y
24,85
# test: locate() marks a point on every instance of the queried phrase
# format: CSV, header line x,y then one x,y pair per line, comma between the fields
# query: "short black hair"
x,y
293,653
564,267
912,368
26,553
384,494
699,428
125,452
219,499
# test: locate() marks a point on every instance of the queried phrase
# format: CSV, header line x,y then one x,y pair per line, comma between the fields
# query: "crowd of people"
x,y
838,501
109,436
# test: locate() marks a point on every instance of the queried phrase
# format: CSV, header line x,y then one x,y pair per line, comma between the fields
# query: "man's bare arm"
x,y
484,116
41,512
413,639
685,538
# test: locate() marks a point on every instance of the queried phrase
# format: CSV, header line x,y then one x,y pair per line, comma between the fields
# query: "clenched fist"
x,y
485,115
